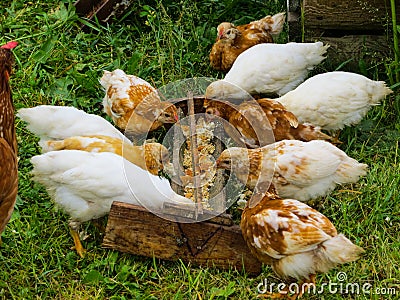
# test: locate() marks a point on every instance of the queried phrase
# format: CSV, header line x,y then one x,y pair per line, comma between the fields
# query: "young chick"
x,y
133,104
84,185
268,68
301,170
254,120
335,99
233,40
60,122
295,239
150,156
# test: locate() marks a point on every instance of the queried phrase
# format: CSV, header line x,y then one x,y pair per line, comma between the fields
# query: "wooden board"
x,y
371,49
355,30
364,15
135,230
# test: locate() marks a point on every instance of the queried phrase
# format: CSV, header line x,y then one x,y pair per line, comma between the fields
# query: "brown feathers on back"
x,y
8,142
263,122
233,40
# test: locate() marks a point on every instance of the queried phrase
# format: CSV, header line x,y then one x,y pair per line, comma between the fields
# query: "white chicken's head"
x,y
224,90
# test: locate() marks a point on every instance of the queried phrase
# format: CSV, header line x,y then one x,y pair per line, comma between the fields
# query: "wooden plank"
x,y
133,229
371,15
294,20
368,48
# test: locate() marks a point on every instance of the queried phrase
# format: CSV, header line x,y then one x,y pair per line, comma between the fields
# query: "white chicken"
x,y
268,68
68,128
60,122
335,99
84,185
300,170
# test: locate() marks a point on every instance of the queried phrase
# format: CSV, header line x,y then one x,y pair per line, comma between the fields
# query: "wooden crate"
x,y
214,243
355,29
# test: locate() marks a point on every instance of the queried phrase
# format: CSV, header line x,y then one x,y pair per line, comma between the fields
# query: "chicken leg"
x,y
74,230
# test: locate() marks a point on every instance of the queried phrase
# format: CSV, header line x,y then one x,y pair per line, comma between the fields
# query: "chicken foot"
x,y
74,230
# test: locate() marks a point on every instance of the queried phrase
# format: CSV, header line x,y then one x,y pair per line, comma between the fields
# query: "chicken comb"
x,y
10,45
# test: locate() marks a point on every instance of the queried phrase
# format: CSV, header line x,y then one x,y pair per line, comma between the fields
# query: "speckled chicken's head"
x,y
211,108
232,158
156,156
168,114
226,30
224,90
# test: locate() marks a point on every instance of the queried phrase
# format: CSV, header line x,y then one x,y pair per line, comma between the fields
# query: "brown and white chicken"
x,y
301,170
133,104
295,239
8,141
233,40
150,156
262,122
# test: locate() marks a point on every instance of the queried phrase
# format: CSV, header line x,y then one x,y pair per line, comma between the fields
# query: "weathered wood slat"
x,y
369,48
294,20
133,229
356,30
347,15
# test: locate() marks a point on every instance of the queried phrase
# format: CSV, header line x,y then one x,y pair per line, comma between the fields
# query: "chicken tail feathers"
x,y
378,92
338,250
277,24
307,132
350,170
272,25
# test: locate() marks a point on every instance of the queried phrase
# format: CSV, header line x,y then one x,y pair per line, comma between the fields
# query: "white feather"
x,y
335,99
271,68
60,122
85,184
312,168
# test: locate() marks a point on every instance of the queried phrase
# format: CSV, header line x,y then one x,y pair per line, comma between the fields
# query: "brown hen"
x,y
295,239
233,40
8,141
133,104
262,122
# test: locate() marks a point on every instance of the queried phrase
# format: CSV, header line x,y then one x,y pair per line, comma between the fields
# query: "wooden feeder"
x,y
216,241
354,30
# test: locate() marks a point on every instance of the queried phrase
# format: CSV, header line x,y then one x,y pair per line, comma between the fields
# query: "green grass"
x,y
163,42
